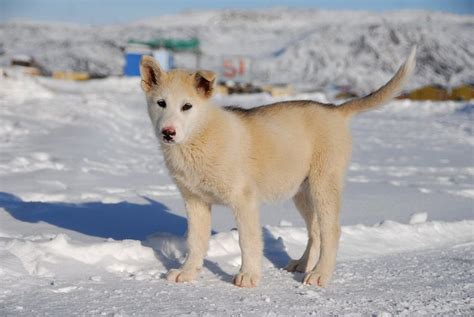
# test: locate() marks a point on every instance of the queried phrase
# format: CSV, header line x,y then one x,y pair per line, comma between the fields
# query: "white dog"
x,y
241,158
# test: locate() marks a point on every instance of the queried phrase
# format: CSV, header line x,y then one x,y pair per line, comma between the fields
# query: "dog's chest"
x,y
195,182
198,177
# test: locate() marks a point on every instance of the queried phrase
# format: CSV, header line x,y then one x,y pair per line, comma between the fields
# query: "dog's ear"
x,y
205,80
151,73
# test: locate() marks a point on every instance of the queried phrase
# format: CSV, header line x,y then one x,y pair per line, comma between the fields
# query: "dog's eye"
x,y
186,107
161,103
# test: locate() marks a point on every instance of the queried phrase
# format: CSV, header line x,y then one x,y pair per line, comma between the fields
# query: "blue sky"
x,y
114,11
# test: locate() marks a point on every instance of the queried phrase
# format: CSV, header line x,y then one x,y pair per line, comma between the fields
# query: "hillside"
x,y
312,49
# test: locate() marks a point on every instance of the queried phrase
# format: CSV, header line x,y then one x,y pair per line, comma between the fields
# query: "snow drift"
x,y
42,255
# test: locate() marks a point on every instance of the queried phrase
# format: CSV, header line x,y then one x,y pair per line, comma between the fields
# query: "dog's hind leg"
x,y
308,260
326,193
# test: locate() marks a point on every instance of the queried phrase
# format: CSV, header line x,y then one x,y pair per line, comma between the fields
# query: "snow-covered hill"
x,y
90,220
310,48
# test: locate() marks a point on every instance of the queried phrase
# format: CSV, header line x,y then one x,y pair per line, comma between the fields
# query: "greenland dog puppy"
x,y
241,158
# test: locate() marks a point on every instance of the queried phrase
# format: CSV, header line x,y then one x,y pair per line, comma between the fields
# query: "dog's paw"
x,y
247,280
297,266
317,278
180,276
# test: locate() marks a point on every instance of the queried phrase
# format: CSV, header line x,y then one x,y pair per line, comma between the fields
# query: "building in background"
x,y
133,56
163,50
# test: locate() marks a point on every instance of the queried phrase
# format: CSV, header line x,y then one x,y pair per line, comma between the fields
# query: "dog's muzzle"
x,y
168,134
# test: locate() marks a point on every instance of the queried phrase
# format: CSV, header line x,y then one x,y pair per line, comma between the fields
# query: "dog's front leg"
x,y
199,231
250,240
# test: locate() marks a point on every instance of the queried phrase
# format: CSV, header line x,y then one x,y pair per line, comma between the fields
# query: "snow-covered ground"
x,y
90,220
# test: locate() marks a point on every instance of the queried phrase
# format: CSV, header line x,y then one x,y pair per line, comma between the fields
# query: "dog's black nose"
x,y
168,133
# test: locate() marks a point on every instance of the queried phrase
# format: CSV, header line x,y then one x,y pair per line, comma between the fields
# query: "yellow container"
x,y
71,75
429,93
463,92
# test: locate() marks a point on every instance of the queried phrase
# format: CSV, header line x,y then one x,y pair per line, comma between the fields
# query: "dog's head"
x,y
177,100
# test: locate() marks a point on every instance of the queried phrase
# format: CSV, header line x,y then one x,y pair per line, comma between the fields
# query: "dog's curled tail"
x,y
384,93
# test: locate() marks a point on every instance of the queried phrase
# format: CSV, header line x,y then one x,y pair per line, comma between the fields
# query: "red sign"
x,y
236,68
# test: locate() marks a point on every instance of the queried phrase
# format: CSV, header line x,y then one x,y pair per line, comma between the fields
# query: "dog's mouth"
x,y
168,139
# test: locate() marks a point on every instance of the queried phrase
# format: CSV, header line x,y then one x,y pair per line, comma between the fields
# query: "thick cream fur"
x,y
241,158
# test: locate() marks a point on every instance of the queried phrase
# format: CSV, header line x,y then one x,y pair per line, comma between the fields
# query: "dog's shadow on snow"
x,y
118,221
121,221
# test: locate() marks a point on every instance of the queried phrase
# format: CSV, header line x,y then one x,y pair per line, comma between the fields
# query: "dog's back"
x,y
285,138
